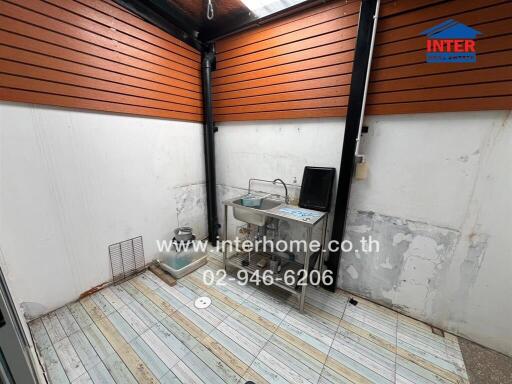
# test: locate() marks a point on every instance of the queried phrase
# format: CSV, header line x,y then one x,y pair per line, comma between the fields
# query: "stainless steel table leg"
x,y
224,246
322,253
306,267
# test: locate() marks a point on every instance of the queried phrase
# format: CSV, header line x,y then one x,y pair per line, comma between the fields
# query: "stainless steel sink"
x,y
251,215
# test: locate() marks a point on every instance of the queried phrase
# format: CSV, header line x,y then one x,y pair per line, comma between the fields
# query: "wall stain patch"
x,y
32,311
191,208
409,265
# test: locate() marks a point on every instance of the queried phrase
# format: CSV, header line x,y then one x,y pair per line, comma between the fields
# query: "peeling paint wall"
x,y
437,198
405,273
191,208
73,182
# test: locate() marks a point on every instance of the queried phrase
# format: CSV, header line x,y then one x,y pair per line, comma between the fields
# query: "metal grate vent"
x,y
126,258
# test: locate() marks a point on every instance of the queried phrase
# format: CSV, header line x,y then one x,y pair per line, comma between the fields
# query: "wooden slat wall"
x,y
93,54
401,80
301,66
292,68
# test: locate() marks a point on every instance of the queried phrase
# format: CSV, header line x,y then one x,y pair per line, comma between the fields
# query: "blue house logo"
x,y
451,42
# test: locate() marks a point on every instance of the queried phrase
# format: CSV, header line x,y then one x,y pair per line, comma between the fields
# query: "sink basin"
x,y
251,215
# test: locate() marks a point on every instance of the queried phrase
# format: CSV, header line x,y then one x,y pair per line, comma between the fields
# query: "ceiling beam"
x,y
163,15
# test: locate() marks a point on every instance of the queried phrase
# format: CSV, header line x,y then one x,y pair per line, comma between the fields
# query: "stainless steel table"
x,y
305,217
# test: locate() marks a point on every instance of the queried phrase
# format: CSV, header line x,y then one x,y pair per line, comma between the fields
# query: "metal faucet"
x,y
286,198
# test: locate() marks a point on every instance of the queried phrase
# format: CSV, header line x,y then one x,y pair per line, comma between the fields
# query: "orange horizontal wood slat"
x,y
487,60
139,27
295,86
492,29
298,45
102,26
72,67
402,82
293,68
95,55
58,76
493,44
28,23
22,96
501,88
301,56
443,9
285,114
124,30
345,25
291,24
443,105
284,78
296,65
485,75
308,94
285,105
50,87
397,6
300,66
40,47
472,18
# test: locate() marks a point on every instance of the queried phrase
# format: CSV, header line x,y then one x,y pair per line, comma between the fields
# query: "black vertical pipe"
x,y
355,114
208,66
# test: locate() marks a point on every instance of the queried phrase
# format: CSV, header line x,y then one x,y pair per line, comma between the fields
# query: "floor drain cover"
x,y
202,302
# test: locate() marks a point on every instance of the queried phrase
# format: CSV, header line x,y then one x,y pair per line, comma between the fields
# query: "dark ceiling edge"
x,y
176,24
241,24
179,25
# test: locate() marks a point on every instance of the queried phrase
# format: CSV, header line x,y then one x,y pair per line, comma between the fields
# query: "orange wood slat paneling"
x,y
92,54
97,23
309,94
296,67
345,26
310,18
470,104
344,70
291,68
285,114
31,45
294,86
135,26
402,82
58,76
10,94
294,57
92,72
328,36
486,75
493,29
24,23
50,87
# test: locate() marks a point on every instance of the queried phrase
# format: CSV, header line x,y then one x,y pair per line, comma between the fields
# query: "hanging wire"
x,y
209,10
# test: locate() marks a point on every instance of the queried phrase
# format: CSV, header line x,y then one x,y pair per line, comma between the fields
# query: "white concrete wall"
x,y
437,198
269,150
73,182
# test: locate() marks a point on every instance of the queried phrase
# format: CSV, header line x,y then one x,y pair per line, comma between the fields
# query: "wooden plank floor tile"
x,y
84,350
39,334
144,331
67,321
54,368
53,327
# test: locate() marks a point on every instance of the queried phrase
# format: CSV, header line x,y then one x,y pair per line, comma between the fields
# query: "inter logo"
x,y
451,42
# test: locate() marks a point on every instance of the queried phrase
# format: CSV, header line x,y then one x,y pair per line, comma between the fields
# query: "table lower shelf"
x,y
278,279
